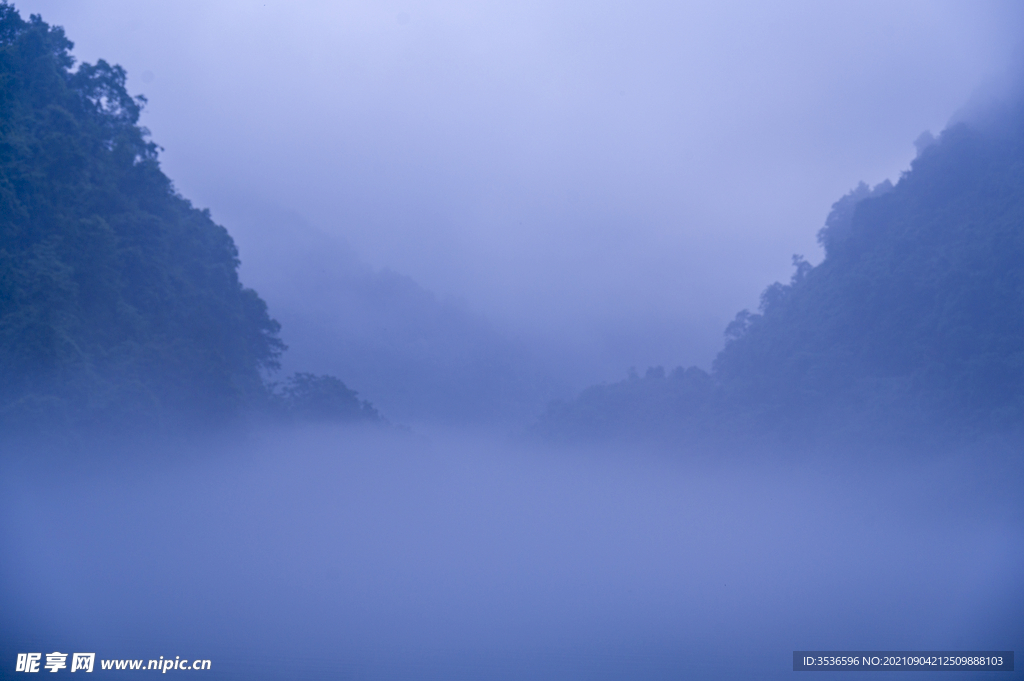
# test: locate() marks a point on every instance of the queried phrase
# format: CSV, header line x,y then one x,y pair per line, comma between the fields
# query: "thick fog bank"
x,y
325,553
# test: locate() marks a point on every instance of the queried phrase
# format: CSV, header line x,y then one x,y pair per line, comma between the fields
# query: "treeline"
x,y
912,323
120,302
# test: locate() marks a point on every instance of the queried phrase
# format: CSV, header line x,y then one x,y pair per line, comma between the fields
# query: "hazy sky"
x,y
626,174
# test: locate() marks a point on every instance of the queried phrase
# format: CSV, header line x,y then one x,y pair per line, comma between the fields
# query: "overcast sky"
x,y
622,174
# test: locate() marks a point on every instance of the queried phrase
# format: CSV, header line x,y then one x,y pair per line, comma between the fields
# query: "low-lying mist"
x,y
322,552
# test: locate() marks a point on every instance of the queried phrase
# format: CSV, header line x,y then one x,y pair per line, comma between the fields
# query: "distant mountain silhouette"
x,y
415,355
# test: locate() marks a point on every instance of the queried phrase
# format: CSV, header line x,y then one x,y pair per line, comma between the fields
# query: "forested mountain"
x,y
120,302
914,319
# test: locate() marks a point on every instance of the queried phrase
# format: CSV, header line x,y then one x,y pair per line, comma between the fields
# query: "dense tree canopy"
x,y
118,299
918,306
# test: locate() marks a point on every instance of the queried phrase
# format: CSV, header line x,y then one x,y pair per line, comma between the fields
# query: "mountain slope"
x,y
914,319
118,300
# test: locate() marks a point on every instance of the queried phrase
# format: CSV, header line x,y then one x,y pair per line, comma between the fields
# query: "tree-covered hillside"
x,y
119,301
914,319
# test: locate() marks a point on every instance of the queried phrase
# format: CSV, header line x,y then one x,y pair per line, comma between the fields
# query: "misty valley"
x,y
274,456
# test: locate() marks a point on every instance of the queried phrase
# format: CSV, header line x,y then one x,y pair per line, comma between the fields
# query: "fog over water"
x,y
326,553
